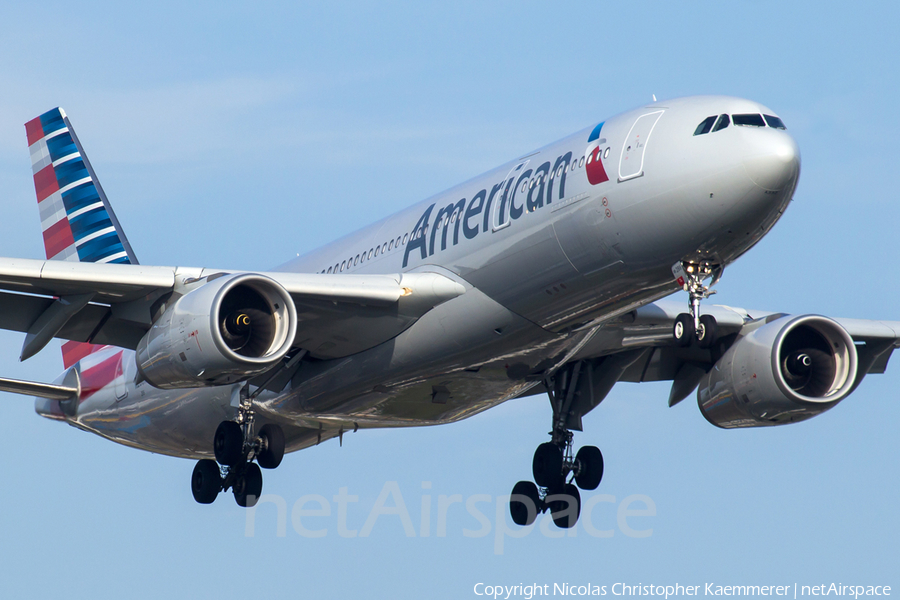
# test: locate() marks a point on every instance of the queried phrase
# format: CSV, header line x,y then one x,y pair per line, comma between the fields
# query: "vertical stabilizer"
x,y
77,220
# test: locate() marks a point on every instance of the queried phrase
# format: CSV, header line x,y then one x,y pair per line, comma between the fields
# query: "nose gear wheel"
x,y
692,327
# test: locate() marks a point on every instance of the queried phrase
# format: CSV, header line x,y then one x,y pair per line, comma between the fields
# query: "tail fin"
x,y
77,220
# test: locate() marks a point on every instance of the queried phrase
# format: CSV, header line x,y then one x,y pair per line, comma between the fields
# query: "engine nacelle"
x,y
226,330
788,370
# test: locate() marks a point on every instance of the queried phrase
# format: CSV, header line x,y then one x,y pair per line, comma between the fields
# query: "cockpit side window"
x,y
749,120
722,123
705,126
774,122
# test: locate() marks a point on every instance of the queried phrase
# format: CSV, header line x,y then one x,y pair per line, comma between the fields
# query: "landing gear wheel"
x,y
524,509
272,451
707,333
248,486
565,506
228,444
590,470
206,481
683,331
547,464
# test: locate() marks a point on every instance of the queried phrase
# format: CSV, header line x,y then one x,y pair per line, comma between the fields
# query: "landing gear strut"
x,y
558,471
693,327
236,446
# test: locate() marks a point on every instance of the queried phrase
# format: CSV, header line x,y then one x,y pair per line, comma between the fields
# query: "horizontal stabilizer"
x,y
69,389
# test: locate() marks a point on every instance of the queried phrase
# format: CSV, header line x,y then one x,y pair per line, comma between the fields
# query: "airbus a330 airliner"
x,y
544,274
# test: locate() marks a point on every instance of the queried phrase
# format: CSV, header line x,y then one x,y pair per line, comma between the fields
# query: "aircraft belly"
x,y
173,422
460,358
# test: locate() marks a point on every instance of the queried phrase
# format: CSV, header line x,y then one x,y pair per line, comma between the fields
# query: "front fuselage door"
x,y
631,161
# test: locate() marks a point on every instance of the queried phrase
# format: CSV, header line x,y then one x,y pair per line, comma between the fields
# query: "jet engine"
x,y
228,329
785,371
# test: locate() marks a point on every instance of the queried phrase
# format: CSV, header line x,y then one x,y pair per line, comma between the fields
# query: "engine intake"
x,y
226,330
785,371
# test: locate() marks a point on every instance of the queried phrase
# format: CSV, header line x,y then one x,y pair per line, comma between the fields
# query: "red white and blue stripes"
x,y
76,219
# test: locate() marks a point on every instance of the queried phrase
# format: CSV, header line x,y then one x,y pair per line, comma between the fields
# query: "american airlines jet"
x,y
544,275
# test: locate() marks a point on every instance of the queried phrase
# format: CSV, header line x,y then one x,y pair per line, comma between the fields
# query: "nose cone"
x,y
774,164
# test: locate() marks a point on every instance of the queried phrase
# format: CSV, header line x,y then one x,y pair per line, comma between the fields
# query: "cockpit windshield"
x,y
705,125
722,123
749,120
774,122
741,120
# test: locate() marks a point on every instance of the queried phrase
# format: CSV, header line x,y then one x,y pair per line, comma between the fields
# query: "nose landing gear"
x,y
694,327
236,447
557,471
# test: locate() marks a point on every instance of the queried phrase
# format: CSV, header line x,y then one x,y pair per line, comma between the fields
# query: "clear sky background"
x,y
238,135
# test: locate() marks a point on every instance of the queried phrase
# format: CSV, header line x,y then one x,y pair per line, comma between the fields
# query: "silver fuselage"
x,y
548,251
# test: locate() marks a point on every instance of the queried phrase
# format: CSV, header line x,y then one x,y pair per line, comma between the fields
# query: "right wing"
x,y
113,304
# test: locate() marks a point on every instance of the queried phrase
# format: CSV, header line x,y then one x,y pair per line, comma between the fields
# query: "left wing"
x,y
638,346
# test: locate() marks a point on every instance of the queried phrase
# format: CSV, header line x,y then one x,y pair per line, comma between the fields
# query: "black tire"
x,y
228,444
565,506
206,481
683,330
590,473
708,333
524,503
248,486
547,464
272,446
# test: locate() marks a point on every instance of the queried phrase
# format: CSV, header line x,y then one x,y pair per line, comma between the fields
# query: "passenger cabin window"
x,y
774,122
751,120
722,123
705,125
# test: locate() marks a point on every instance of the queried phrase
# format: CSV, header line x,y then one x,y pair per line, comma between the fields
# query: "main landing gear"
x,y
236,447
694,327
558,474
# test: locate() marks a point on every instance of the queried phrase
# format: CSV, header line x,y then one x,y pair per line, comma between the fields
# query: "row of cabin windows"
x,y
388,246
716,123
364,256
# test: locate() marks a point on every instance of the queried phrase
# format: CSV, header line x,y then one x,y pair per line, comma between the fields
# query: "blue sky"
x,y
287,126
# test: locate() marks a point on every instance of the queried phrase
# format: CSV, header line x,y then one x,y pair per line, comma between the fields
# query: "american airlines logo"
x,y
522,191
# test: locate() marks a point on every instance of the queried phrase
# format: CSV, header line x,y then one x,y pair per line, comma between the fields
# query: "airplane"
x,y
548,274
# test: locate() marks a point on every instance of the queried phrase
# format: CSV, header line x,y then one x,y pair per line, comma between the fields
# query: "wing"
x,y
638,346
114,304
